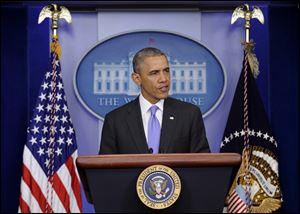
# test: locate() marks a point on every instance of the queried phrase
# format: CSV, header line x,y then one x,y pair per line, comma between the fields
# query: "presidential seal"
x,y
158,187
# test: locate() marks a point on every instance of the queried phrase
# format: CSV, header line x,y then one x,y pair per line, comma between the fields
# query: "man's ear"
x,y
136,78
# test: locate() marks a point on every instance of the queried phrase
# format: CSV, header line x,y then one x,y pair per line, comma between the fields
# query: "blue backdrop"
x,y
24,58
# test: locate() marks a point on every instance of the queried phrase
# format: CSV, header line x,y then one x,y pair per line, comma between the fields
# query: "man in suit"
x,y
153,122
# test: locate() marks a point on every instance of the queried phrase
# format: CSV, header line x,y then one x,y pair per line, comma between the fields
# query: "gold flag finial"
x,y
55,13
244,12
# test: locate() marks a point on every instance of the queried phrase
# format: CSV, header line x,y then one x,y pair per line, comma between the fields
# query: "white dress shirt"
x,y
145,109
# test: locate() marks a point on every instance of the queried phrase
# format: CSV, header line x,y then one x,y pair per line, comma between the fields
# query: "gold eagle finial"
x,y
244,12
55,13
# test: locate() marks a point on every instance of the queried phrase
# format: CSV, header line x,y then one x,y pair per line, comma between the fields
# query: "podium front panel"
x,y
203,189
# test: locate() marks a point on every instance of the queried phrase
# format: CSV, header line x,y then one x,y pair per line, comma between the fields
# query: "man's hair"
x,y
142,54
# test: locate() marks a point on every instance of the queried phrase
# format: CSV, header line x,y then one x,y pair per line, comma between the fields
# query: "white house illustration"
x,y
115,78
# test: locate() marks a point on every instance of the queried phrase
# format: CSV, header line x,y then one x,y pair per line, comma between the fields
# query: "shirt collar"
x,y
145,104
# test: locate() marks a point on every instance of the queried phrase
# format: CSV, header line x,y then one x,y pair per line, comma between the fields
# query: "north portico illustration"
x,y
114,77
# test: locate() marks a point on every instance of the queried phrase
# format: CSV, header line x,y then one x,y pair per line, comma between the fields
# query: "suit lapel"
x,y
135,124
168,126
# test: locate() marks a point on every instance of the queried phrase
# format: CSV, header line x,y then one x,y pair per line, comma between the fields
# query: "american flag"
x,y
50,181
237,202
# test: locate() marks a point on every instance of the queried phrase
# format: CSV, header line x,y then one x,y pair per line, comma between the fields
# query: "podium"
x,y
109,181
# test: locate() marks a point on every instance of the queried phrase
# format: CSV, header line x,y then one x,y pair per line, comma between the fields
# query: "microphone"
x,y
150,150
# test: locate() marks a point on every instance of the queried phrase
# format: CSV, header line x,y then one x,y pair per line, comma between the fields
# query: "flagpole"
x,y
251,60
54,13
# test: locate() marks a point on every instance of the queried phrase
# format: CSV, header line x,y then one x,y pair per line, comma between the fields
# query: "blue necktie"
x,y
153,130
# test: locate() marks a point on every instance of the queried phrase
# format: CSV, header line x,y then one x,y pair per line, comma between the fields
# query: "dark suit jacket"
x,y
123,131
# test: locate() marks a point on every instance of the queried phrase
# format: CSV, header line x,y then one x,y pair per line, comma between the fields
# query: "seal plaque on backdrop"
x,y
102,81
158,186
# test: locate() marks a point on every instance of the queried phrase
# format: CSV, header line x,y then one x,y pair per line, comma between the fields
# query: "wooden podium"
x,y
109,181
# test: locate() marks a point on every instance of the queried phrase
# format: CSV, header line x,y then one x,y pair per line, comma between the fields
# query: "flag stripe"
x,y
240,206
242,209
233,202
61,191
236,204
75,181
31,202
233,197
36,170
24,208
35,189
66,178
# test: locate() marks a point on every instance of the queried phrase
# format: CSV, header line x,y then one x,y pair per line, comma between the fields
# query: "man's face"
x,y
154,78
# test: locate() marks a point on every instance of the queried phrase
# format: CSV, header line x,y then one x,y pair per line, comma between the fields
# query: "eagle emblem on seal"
x,y
158,187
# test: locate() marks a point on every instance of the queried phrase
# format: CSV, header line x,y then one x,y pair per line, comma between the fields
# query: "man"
x,y
153,122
